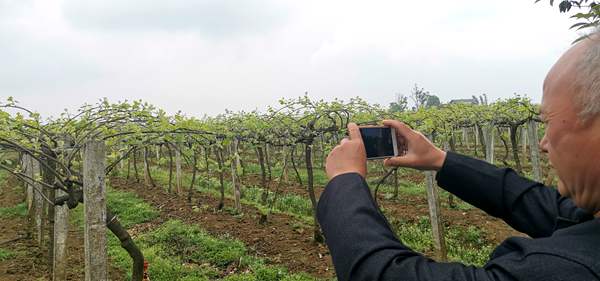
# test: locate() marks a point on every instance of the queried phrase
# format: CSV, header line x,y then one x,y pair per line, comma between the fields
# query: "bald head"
x,y
577,73
570,109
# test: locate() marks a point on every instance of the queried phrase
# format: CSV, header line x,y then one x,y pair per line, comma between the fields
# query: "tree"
x,y
589,18
423,99
400,105
419,96
432,100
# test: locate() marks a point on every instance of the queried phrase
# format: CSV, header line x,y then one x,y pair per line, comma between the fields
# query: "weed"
x,y
6,254
20,210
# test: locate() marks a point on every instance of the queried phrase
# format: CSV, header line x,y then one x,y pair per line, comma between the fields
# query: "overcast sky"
x,y
202,56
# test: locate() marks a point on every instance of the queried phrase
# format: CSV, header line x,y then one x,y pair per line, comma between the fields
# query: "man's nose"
x,y
544,144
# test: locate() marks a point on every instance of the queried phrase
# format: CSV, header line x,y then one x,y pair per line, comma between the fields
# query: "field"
x,y
197,241
230,197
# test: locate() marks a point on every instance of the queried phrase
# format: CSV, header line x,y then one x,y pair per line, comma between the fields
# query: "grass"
x,y
19,210
2,178
177,251
127,206
319,175
6,254
407,188
297,206
464,245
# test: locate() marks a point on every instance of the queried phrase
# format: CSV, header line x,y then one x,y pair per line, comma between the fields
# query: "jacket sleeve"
x,y
364,248
527,206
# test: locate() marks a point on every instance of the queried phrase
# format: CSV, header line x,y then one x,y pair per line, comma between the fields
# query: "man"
x,y
564,225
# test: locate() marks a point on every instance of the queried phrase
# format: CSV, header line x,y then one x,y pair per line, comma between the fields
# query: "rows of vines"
x,y
296,134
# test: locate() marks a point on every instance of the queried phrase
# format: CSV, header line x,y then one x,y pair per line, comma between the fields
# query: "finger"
x,y
402,161
401,141
400,127
344,140
354,132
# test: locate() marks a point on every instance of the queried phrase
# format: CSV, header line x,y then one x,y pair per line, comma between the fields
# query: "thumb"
x,y
354,132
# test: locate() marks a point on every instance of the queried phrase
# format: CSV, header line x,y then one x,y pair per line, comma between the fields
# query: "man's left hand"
x,y
349,156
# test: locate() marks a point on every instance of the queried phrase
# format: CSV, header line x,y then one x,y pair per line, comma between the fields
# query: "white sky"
x,y
202,56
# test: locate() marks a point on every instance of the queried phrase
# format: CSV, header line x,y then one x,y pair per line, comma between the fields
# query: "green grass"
x,y
127,206
464,245
2,178
177,251
297,206
319,175
6,254
20,210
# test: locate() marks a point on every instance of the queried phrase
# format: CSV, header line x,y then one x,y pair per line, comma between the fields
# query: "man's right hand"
x,y
416,151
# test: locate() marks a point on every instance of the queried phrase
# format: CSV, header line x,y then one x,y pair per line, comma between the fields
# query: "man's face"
x,y
572,145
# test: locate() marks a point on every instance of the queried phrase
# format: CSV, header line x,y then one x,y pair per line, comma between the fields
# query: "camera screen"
x,y
378,142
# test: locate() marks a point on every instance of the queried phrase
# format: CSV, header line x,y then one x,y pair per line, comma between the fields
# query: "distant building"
x,y
464,101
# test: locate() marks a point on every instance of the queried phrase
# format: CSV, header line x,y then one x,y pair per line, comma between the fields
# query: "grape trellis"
x,y
64,160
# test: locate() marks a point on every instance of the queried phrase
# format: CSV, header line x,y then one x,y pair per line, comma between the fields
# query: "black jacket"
x,y
565,243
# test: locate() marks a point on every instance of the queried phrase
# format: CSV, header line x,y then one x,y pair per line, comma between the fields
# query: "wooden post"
x,y
48,176
234,164
450,195
178,177
61,232
157,154
146,173
534,150
96,265
465,136
437,227
268,162
121,163
29,188
488,138
476,131
38,202
524,143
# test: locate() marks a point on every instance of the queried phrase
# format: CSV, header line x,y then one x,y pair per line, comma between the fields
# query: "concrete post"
x,y
437,227
534,150
178,176
94,162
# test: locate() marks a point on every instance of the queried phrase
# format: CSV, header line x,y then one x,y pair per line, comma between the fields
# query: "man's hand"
x,y
349,156
416,151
